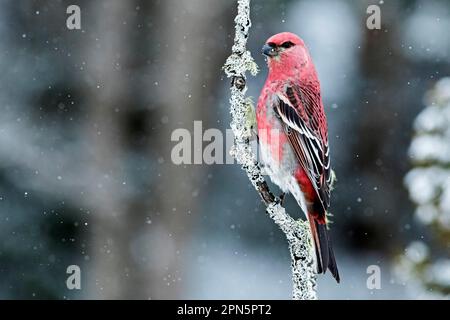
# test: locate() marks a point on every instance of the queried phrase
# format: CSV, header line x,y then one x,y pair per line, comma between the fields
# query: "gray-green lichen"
x,y
241,109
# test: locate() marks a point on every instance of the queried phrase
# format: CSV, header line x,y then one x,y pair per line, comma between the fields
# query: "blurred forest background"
x,y
85,171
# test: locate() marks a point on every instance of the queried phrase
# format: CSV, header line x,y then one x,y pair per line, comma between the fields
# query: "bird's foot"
x,y
282,197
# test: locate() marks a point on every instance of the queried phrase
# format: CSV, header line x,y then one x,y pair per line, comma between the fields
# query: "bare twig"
x,y
297,232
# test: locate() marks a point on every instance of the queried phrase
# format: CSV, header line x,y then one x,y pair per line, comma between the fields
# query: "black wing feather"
x,y
311,151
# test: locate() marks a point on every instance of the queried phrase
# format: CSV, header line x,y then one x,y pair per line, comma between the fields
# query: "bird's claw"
x,y
281,197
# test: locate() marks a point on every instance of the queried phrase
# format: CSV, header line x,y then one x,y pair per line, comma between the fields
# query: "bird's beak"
x,y
269,51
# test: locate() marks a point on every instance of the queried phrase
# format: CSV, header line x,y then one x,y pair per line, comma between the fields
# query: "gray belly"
x,y
281,171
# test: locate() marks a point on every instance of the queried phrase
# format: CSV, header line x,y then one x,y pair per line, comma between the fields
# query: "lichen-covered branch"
x,y
297,232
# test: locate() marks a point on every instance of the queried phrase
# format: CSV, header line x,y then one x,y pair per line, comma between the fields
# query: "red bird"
x,y
293,136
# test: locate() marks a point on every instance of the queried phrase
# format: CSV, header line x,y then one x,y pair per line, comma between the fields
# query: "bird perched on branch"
x,y
293,136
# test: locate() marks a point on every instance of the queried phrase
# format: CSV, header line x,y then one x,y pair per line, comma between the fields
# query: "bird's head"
x,y
286,51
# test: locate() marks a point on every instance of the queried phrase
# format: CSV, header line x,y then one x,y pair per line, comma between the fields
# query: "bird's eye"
x,y
287,44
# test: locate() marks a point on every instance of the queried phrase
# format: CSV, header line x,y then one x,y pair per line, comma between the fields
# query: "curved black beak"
x,y
269,50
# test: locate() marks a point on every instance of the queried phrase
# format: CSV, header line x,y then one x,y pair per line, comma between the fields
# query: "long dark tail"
x,y
323,248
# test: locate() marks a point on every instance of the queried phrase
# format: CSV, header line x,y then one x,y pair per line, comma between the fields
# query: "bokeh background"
x,y
86,176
